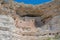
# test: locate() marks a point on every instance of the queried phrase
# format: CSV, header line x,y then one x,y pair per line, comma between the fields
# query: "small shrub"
x,y
48,38
57,36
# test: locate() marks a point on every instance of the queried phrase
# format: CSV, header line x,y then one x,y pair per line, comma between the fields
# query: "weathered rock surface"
x,y
7,28
53,26
55,23
12,27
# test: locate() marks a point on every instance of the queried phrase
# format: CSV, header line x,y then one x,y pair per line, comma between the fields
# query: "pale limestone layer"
x,y
9,32
7,28
55,23
53,26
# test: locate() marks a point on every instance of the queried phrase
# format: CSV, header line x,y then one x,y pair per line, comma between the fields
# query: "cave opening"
x,y
38,22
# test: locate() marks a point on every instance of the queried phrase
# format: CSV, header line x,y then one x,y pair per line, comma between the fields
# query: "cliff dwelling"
x,y
29,22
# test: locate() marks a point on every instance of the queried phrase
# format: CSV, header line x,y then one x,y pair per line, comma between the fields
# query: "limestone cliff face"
x,y
45,11
7,27
48,8
26,22
8,30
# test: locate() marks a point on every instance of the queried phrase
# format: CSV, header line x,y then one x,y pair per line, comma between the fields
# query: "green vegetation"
x,y
57,36
48,38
